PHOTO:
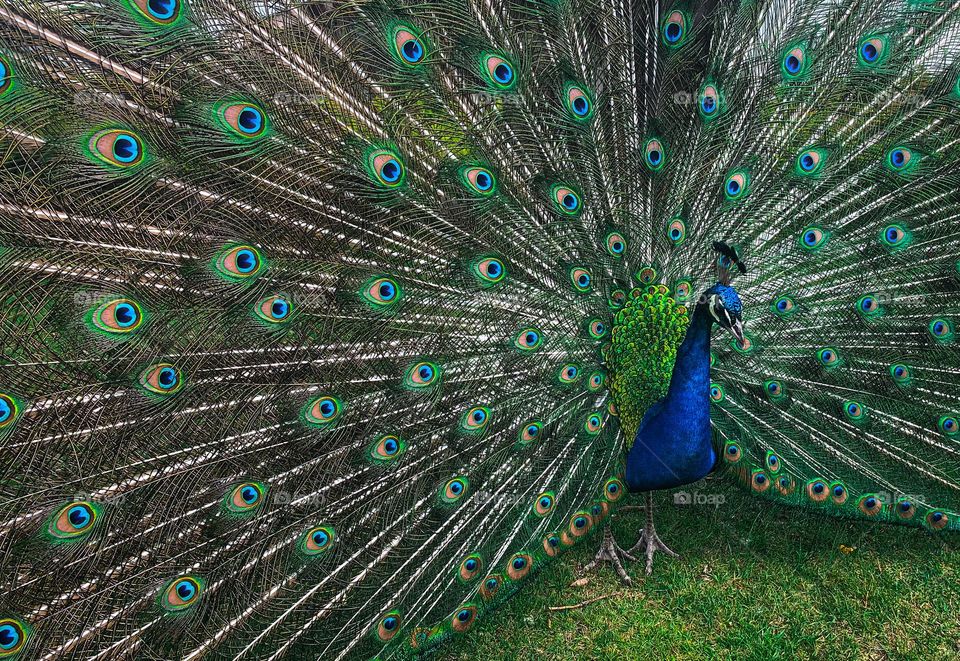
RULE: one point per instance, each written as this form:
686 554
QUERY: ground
755 581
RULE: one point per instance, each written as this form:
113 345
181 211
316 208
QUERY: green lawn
754 581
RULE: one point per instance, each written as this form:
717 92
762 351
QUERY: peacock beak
736 329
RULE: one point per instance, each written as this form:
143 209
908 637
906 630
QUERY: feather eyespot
245 497
654 154
596 381
717 393
811 162
566 200
894 236
579 103
681 291
785 485
519 566
872 50
676 231
774 389
941 329
795 62
476 419
246 120
471 567
593 424
900 159
499 72
773 462
544 504
117 316
870 504
551 544
817 490
597 329
869 306
529 339
119 148
73 521
386 167
6 75
181 593
732 453
387 448
422 375
479 180
490 587
490 270
737 185
161 379
949 425
568 374
828 357
904 509
616 245
389 626
613 490
901 374
9 409
617 299
838 493
13 637
581 279
759 481
937 520
709 103
381 292
854 411
162 12
674 29
317 540
783 306
408 46
322 411
239 262
813 238
464 618
274 309
530 432
453 490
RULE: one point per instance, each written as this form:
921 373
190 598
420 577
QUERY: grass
754 581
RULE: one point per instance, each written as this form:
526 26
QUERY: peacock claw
650 541
610 551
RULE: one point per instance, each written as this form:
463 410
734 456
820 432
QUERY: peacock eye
13 637
499 72
828 357
811 161
817 490
245 497
736 185
8 410
389 626
676 231
893 236
491 270
598 329
6 75
181 593
409 47
274 309
317 540
581 279
530 432
489 588
899 158
519 566
617 298
682 290
709 104
941 329
73 521
593 424
479 180
616 244
813 238
422 375
453 490
529 339
544 504
870 505
122 149
854 411
476 419
161 379
838 493
118 316
613 490
323 410
871 50
783 306
674 29
245 119
387 168
568 373
381 292
596 381
163 12
653 154
579 103
937 520
239 262
566 200
949 425
471 567
732 453
774 389
463 619
387 448
717 394
901 374
794 62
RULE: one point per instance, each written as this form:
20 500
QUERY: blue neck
673 445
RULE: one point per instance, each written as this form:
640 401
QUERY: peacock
327 324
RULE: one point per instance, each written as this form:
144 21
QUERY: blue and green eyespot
499 71
868 306
422 374
475 420
813 238
873 50
118 148
784 306
654 154
895 236
158 12
854 411
676 231
73 521
795 62
566 200
386 449
14 635
530 432
385 167
9 410
902 160
161 379
581 279
388 626
811 161
239 262
941 329
901 374
568 374
273 309
675 28
116 316
829 358
381 292
478 180
245 497
454 489
528 339
578 101
615 244
709 102
409 46
316 541
490 270
949 425
737 185
775 390
182 593
544 503
322 411
7 77
244 120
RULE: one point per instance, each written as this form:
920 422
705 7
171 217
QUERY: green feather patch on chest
646 335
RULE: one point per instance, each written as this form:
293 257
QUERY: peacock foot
650 543
610 551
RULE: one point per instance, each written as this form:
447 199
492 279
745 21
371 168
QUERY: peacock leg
611 552
649 540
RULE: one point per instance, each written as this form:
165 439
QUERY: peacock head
724 305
